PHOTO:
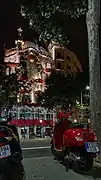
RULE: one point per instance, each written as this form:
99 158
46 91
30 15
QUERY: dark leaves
45 17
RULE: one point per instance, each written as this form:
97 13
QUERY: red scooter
78 142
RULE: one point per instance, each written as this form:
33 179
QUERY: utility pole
86 88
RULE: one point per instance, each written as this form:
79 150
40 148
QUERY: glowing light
40 120
87 87
75 120
77 102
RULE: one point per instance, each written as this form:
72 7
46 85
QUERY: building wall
32 112
64 59
38 65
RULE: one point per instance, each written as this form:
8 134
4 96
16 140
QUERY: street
39 164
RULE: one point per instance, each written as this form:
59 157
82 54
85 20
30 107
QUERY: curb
36 139
39 139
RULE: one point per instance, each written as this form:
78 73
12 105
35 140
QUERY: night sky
10 20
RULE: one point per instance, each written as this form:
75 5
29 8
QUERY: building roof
13 52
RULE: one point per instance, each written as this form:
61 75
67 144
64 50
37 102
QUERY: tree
48 17
10 87
93 26
61 91
56 93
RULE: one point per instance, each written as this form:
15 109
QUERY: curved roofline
8 52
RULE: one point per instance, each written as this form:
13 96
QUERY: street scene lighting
40 120
87 87
50 89
77 102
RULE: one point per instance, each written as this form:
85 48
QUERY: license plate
5 151
92 147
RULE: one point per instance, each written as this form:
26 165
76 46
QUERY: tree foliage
10 87
60 92
47 16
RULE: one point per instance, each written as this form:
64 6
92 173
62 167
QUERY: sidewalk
98 159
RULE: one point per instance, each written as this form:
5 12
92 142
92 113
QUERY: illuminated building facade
34 64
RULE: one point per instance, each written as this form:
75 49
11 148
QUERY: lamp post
40 127
86 88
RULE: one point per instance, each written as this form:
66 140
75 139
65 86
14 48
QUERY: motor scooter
10 150
79 144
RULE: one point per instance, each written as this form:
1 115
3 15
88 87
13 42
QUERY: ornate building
34 64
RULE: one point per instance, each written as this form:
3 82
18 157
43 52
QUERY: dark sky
10 20
77 32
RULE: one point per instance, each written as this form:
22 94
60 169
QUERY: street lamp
40 127
87 88
77 102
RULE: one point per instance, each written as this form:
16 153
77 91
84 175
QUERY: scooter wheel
83 166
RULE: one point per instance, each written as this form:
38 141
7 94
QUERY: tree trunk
93 27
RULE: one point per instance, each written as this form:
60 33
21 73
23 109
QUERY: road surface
35 143
39 164
36 148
